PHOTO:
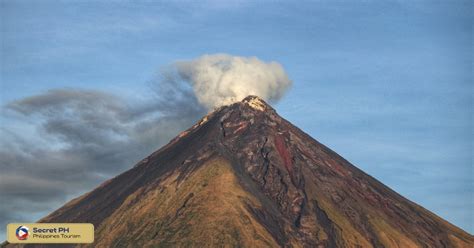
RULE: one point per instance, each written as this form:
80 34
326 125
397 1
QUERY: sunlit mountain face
245 177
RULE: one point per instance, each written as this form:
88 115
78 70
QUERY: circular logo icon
22 233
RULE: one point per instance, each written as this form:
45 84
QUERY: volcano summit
245 177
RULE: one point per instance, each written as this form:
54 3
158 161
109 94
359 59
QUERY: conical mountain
245 177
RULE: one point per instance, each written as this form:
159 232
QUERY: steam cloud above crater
221 79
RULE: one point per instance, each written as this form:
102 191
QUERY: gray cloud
86 137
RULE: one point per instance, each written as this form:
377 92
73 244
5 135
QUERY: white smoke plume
221 79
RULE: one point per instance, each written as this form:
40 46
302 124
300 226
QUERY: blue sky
386 84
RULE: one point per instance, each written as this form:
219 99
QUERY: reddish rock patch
284 153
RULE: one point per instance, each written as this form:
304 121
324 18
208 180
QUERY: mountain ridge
281 188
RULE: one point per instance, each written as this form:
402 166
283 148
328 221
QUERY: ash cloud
222 79
61 143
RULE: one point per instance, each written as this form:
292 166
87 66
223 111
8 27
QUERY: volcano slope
245 177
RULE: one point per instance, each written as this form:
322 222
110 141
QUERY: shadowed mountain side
245 177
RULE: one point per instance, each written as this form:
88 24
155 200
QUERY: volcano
245 177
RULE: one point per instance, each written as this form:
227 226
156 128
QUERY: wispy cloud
99 135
